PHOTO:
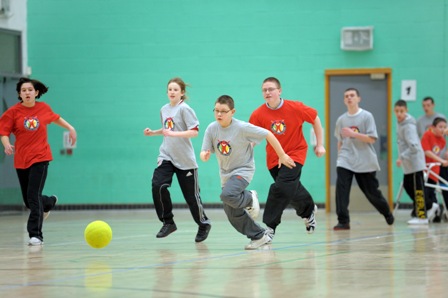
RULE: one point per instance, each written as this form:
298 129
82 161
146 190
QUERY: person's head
176 90
351 98
272 90
224 110
401 110
428 105
29 89
439 126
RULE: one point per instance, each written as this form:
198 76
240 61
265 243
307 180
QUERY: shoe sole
206 235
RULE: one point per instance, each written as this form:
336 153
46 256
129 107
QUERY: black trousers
369 186
286 189
32 182
414 182
188 182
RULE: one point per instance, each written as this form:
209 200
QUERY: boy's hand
205 155
398 162
287 161
9 149
319 150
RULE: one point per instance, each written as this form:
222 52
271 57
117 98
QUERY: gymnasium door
374 89
10 195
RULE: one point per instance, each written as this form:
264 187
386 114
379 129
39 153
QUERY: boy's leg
235 198
419 195
188 181
370 187
285 190
343 186
161 180
408 185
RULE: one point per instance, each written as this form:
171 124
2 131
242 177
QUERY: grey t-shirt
178 150
356 155
409 146
424 122
233 147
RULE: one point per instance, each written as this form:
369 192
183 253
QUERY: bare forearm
272 140
61 122
318 131
182 134
5 141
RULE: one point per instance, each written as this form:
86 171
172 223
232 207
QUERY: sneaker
47 213
418 221
310 222
202 233
431 213
34 241
256 243
390 219
166 230
271 233
253 210
341 226
439 215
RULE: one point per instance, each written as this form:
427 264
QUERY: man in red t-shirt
284 118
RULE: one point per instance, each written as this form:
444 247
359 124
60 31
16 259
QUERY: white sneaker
255 244
35 241
431 213
253 210
310 222
271 233
418 221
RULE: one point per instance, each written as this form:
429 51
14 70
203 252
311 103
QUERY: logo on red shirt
169 123
278 127
31 123
224 148
436 149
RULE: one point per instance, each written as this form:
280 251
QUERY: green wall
107 63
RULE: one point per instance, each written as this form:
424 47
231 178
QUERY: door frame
353 72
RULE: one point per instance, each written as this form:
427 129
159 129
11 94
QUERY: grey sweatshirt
409 147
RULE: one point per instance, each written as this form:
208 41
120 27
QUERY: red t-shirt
286 125
29 125
435 144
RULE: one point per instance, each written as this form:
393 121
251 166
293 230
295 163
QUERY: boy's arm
191 133
347 132
319 150
283 158
148 132
431 154
412 141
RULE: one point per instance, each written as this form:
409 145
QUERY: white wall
18 22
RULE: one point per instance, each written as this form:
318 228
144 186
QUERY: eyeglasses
220 112
264 90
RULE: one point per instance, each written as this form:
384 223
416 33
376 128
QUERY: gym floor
370 260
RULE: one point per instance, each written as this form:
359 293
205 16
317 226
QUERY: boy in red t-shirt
28 121
433 143
284 118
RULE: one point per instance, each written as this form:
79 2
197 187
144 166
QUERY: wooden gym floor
370 260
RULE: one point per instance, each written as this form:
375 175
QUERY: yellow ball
98 234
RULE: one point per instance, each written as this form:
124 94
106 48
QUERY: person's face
28 93
439 128
351 99
428 107
223 114
400 113
271 93
174 92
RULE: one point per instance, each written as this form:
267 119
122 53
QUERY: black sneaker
54 199
390 219
166 230
341 226
202 233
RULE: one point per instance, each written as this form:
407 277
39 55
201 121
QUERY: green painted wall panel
107 64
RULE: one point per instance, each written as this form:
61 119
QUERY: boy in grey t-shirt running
356 133
232 140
